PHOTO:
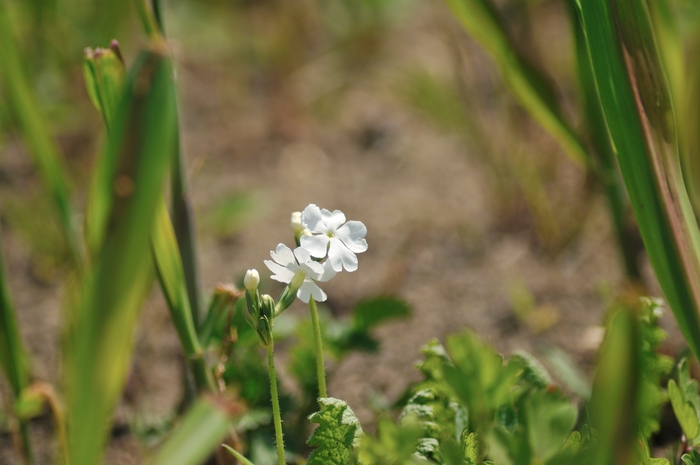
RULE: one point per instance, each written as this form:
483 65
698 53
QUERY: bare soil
439 234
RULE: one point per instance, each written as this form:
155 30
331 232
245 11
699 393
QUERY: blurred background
385 109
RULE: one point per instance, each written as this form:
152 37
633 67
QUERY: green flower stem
320 365
279 439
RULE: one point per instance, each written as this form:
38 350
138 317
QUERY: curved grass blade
200 433
98 350
530 86
605 166
183 219
13 357
639 116
172 280
35 130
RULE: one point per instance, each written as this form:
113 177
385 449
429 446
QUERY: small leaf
394 445
370 313
691 458
685 412
337 434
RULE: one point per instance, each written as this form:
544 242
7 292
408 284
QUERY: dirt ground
437 233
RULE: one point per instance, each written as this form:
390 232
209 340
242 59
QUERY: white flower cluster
328 245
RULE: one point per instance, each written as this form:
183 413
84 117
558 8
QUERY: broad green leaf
534 373
202 429
35 130
614 402
638 112
479 378
435 413
394 445
691 458
549 419
370 313
685 401
529 85
106 305
172 280
337 434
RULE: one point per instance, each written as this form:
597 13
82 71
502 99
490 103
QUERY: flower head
332 236
298 269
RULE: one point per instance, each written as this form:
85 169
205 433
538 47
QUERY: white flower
333 236
251 280
298 269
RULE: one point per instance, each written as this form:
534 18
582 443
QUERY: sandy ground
437 237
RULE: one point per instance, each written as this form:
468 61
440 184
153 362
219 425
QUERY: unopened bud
296 223
265 320
251 280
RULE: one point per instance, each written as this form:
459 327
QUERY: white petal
283 255
317 246
333 220
341 257
352 234
280 273
311 218
310 289
328 272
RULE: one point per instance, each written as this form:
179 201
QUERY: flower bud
251 280
296 223
264 323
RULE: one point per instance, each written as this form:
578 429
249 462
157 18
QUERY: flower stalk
318 348
279 438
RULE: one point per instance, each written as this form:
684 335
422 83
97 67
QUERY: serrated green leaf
684 402
534 373
337 434
394 445
655 367
691 458
478 378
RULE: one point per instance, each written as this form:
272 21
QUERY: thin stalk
318 347
237 455
279 438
